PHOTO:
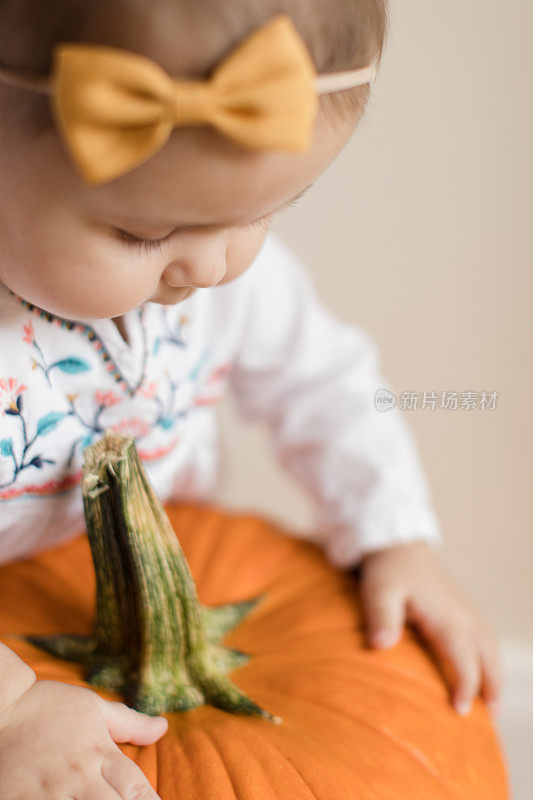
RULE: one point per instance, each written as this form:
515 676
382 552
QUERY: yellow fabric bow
115 108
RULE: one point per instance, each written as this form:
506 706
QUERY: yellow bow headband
116 108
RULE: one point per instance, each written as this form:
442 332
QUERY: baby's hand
406 582
57 740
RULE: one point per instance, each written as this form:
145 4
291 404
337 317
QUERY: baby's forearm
15 676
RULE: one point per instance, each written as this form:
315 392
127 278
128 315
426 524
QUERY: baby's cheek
109 293
85 286
243 247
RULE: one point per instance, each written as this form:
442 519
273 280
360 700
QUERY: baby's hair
339 34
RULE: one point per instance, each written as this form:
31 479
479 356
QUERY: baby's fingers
125 778
457 648
384 609
465 661
125 724
492 671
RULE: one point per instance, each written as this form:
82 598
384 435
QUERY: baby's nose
195 273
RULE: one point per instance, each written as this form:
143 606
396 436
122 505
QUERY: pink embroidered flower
10 389
132 427
106 399
29 335
219 372
148 389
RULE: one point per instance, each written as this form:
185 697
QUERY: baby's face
200 207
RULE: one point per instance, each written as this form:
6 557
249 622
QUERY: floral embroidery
149 389
50 487
29 335
132 427
167 401
68 482
169 336
214 386
195 371
70 365
106 399
167 414
219 372
10 391
45 425
102 400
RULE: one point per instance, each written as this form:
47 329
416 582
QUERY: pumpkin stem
153 640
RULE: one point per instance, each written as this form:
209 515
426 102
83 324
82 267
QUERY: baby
139 280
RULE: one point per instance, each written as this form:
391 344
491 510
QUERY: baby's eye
152 244
135 241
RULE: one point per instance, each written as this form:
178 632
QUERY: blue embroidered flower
11 402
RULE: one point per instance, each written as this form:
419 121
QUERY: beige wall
420 232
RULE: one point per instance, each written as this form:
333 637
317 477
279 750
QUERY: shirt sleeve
312 379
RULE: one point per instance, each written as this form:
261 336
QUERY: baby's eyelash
262 222
134 241
152 244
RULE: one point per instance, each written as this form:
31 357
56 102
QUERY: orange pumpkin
358 724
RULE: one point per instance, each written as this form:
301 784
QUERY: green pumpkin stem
153 640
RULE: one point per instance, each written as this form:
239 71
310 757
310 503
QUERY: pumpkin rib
308 744
312 795
417 756
434 691
422 709
383 692
273 618
291 764
305 745
210 558
412 681
207 736
378 657
220 744
168 756
226 536
378 732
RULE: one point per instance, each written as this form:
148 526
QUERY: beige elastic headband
115 108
